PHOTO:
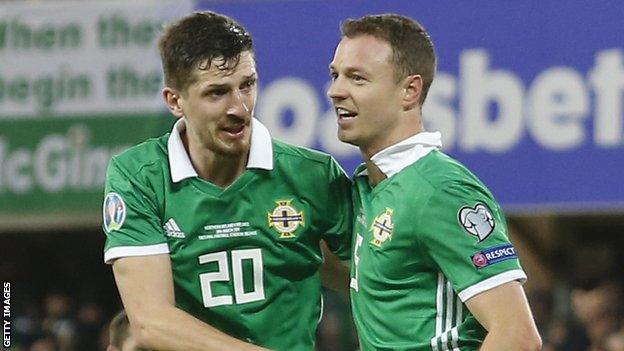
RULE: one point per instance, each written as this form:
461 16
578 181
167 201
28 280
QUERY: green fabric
405 285
261 285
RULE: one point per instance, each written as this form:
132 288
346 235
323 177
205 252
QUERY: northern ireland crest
285 219
382 228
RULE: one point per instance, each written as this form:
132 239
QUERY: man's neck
375 175
219 169
408 127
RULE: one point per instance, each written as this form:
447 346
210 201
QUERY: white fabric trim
449 306
454 338
395 158
439 309
261 148
127 251
439 304
446 332
492 282
444 341
458 313
260 152
179 161
321 314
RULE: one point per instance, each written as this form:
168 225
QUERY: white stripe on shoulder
492 282
126 251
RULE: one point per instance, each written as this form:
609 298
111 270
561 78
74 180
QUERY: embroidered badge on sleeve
114 212
493 255
477 220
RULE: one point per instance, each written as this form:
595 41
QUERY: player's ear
412 90
172 99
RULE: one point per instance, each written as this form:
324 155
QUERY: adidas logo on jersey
172 229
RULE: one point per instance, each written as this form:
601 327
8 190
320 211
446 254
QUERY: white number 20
223 274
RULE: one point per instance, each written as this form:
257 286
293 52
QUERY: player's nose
239 105
336 90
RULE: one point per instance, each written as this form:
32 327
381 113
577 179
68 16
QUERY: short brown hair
195 41
412 48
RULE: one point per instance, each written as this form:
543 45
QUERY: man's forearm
169 328
146 287
334 272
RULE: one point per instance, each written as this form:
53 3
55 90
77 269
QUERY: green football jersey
245 258
427 239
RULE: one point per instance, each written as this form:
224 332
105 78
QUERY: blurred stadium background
529 95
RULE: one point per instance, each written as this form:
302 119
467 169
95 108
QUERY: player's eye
248 84
333 75
217 92
357 78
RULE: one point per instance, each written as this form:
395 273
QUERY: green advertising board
79 83
52 171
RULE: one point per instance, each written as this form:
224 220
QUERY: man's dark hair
412 48
195 41
119 329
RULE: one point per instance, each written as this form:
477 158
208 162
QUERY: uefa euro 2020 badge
382 228
285 219
113 211
477 220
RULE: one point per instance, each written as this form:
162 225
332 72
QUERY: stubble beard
233 149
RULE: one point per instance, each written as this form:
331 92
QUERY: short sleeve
130 217
464 231
339 212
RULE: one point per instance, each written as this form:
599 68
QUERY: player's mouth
235 131
345 116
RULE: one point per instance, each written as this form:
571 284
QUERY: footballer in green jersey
427 238
245 258
216 232
432 267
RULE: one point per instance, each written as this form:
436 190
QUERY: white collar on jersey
260 152
395 158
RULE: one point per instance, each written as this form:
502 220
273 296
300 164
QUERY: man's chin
346 138
237 149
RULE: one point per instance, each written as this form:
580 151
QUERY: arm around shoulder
505 313
145 284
